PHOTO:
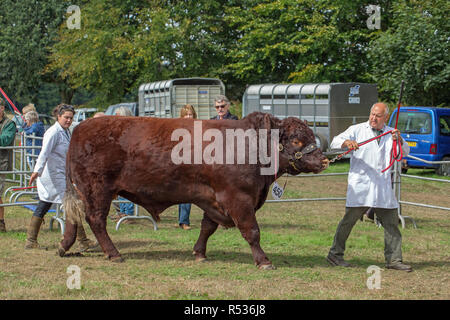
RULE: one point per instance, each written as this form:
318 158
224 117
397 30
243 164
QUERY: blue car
427 131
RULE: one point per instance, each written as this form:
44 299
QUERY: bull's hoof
117 259
61 252
267 267
199 257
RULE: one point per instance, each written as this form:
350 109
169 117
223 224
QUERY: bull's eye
296 143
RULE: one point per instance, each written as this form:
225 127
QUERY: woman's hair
32 116
29 107
61 108
188 108
123 111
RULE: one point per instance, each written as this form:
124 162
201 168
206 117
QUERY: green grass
295 236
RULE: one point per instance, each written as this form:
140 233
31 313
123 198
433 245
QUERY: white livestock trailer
164 99
329 108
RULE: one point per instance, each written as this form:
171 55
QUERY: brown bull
139 158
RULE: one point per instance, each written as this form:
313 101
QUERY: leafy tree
27 28
131 43
302 41
415 49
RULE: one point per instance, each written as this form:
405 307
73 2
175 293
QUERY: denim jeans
127 208
42 208
184 210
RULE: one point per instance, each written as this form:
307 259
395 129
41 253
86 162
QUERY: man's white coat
367 185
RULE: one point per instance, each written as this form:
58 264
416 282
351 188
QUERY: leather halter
299 154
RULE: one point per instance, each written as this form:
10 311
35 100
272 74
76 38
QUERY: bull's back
141 148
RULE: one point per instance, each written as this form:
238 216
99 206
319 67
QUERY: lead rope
396 151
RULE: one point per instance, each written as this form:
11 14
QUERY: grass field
295 236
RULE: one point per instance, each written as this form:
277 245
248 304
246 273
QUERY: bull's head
298 148
297 145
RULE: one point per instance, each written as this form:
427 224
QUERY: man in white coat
368 187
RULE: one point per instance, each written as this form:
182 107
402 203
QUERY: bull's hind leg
96 218
70 234
207 229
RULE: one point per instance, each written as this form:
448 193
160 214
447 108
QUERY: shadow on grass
289 260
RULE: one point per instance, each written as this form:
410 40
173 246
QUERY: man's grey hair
32 116
386 109
220 98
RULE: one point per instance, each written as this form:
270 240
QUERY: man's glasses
221 106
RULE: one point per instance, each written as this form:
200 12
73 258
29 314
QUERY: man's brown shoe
337 262
185 227
399 266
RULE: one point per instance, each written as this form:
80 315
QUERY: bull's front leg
249 228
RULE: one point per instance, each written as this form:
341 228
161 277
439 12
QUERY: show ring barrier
396 186
20 176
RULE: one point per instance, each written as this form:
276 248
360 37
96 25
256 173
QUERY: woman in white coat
50 172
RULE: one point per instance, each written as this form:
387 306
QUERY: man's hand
350 144
33 177
396 135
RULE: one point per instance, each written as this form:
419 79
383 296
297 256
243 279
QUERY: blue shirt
38 130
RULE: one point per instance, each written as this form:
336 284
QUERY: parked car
111 110
427 132
82 114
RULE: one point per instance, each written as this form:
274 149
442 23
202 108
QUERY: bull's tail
73 205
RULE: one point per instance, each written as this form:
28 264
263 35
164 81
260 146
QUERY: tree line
100 52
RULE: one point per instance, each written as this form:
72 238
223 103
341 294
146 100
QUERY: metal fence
22 170
397 181
22 165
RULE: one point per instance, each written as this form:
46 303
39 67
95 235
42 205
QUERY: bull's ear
306 122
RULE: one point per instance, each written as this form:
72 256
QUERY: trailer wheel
444 168
321 142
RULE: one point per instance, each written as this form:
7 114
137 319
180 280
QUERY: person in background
29 107
222 105
7 136
123 111
369 187
36 128
184 209
50 173
98 114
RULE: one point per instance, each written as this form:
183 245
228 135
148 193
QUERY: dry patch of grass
295 236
